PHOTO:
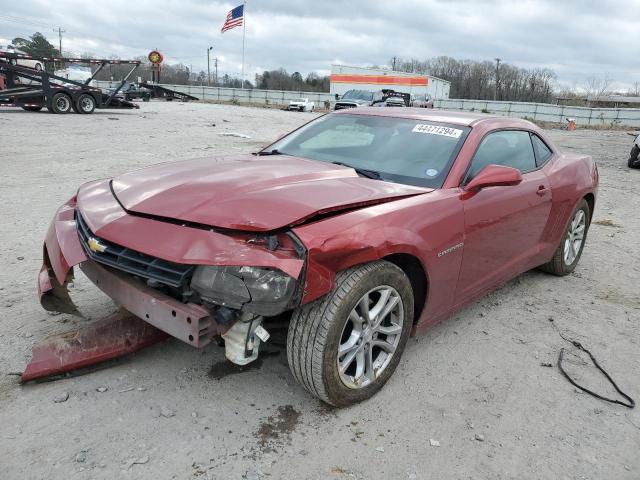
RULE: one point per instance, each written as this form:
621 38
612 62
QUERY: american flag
234 19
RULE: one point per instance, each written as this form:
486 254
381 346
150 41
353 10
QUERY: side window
511 148
543 153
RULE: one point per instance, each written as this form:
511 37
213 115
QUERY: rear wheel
344 347
566 257
634 157
61 103
85 104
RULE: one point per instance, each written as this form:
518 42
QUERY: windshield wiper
270 152
361 171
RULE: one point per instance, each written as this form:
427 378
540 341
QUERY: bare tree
598 86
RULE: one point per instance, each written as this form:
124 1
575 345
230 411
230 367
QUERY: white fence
267 97
628 117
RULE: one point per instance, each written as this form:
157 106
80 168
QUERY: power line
24 21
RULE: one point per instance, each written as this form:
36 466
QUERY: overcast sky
575 38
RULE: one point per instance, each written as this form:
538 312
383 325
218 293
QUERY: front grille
131 261
340 106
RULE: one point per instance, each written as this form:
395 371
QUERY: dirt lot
475 383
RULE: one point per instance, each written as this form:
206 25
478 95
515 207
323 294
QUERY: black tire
32 108
634 157
61 103
146 98
85 104
316 330
557 265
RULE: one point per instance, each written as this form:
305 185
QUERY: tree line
484 80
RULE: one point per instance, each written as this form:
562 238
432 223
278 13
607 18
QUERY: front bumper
189 322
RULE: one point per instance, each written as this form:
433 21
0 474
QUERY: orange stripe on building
379 79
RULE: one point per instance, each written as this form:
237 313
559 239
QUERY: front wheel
566 257
634 157
344 347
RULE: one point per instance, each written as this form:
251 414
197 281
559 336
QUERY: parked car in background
354 231
131 91
357 98
24 62
301 105
76 73
422 101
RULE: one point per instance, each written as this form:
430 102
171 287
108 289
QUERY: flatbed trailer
158 91
57 94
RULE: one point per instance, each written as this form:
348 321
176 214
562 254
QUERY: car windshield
299 100
401 150
358 95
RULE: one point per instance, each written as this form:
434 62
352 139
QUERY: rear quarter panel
571 178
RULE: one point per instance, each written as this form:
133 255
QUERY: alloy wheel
575 237
370 336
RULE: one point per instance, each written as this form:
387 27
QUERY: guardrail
627 117
246 95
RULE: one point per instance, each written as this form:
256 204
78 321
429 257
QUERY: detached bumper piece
105 339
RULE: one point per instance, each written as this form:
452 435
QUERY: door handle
542 190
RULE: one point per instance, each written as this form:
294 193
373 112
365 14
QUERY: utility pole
60 32
495 93
209 67
215 60
394 63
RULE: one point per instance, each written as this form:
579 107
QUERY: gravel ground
471 398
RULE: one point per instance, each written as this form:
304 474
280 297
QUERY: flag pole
244 29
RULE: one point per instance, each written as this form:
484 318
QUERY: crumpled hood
249 192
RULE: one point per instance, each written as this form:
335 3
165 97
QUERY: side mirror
494 176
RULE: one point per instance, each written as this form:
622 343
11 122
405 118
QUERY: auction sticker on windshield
437 130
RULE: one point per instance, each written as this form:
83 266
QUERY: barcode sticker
437 130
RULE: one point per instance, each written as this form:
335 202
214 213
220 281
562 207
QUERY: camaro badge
450 249
95 245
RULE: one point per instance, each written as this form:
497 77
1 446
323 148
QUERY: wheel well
412 267
591 201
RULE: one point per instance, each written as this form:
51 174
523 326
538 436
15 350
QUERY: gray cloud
577 39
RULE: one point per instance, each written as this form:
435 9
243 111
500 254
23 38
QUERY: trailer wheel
32 108
86 104
61 103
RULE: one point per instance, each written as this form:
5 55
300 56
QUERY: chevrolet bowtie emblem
95 245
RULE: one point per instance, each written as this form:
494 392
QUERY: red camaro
355 230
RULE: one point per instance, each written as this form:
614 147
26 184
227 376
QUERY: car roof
464 118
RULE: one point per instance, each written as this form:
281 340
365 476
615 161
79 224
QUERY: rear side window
509 148
543 153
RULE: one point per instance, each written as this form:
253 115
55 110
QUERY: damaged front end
192 282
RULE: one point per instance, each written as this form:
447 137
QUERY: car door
503 224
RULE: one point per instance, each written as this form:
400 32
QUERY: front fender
423 226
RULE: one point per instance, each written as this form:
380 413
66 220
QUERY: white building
344 78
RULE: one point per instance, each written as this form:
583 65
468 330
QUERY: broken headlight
262 291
